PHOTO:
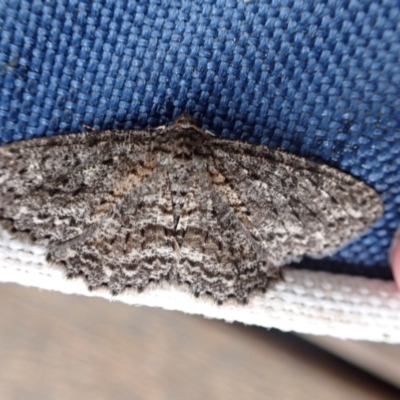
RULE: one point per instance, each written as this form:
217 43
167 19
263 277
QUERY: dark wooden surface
54 346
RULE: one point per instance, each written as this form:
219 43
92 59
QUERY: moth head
186 121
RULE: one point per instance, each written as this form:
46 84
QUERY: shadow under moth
127 208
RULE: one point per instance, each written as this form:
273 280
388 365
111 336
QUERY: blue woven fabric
317 78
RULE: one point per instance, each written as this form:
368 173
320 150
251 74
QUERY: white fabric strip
307 302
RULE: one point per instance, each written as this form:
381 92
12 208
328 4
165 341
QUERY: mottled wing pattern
293 206
218 256
124 209
130 246
55 188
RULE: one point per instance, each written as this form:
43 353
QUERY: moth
126 209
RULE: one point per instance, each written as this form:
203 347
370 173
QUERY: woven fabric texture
320 79
305 301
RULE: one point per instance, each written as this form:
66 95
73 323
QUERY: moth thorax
183 155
